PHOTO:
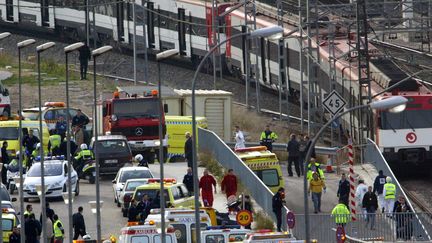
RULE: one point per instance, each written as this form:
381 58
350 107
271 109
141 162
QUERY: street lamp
98 203
159 57
270 32
68 49
39 50
4 35
393 104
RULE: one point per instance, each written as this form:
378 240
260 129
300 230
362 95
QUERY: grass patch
262 221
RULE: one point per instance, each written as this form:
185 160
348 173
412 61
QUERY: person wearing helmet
141 161
34 155
83 156
389 193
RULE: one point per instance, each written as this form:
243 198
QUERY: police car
56 176
149 233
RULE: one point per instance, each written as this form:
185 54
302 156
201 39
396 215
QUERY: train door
150 25
120 17
44 12
9 10
181 30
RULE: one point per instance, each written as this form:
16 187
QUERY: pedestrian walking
61 126
5 160
188 181
403 216
78 224
302 149
341 214
49 212
15 237
267 138
229 184
293 149
316 187
33 229
312 167
359 194
49 230
378 188
54 143
370 203
206 184
188 149
132 211
58 230
278 202
343 190
239 138
389 192
84 58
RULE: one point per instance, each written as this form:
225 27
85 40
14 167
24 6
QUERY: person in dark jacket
144 207
378 188
278 202
30 141
15 237
49 212
343 190
293 149
132 211
63 147
370 203
5 160
61 126
33 229
308 144
188 149
80 120
84 57
78 224
403 217
188 181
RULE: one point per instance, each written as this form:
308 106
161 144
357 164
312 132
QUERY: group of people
55 232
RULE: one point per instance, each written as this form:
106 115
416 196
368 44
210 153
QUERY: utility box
215 105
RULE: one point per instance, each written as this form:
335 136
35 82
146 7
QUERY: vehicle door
168 239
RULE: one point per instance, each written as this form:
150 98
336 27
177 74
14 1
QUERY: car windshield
30 114
134 108
131 185
153 195
135 174
51 169
8 133
7 224
112 146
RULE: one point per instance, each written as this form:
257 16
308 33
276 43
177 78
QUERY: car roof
133 168
157 186
136 179
110 137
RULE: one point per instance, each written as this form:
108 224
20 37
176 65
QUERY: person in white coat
239 138
360 192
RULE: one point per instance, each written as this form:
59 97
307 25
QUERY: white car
125 174
56 175
127 192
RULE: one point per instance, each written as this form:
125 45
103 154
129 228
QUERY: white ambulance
148 233
224 234
267 236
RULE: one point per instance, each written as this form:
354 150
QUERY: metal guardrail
210 142
396 227
373 155
283 147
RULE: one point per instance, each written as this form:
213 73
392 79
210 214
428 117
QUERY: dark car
113 153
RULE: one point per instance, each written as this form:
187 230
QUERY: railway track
419 191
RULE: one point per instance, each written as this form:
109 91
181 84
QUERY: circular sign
290 217
244 217
411 137
340 234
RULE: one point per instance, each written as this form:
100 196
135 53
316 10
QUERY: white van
147 233
225 234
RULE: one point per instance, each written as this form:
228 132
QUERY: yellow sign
244 217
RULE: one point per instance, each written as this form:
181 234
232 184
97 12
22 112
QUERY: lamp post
20 46
159 57
95 54
39 50
69 197
274 31
4 35
394 104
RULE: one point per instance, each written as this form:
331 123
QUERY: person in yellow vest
341 214
389 193
29 210
58 229
54 143
312 167
267 138
83 155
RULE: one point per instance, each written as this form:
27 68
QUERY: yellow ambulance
177 126
264 164
9 221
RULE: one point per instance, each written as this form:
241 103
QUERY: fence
228 159
387 228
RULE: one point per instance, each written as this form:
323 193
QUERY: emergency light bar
54 104
60 157
166 180
250 149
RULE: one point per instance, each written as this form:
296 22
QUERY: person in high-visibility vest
29 210
312 167
341 214
58 229
267 138
54 143
84 155
389 193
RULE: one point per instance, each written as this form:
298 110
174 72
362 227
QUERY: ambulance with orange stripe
267 236
264 164
148 233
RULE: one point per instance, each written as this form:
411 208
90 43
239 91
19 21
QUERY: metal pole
161 157
21 196
134 43
94 28
95 134
301 67
309 74
145 44
246 51
41 152
68 156
213 38
257 75
87 22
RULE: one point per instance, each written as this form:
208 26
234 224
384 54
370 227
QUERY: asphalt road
112 219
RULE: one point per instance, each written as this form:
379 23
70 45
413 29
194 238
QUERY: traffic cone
329 167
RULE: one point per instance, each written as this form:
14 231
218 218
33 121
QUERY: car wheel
77 189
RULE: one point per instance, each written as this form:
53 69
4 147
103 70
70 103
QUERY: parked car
127 192
125 174
56 175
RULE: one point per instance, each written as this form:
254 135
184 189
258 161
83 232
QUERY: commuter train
186 25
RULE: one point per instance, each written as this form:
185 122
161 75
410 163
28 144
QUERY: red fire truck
135 115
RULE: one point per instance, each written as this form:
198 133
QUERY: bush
262 221
207 161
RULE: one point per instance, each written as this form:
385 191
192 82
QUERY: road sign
334 102
411 137
340 234
244 217
290 217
